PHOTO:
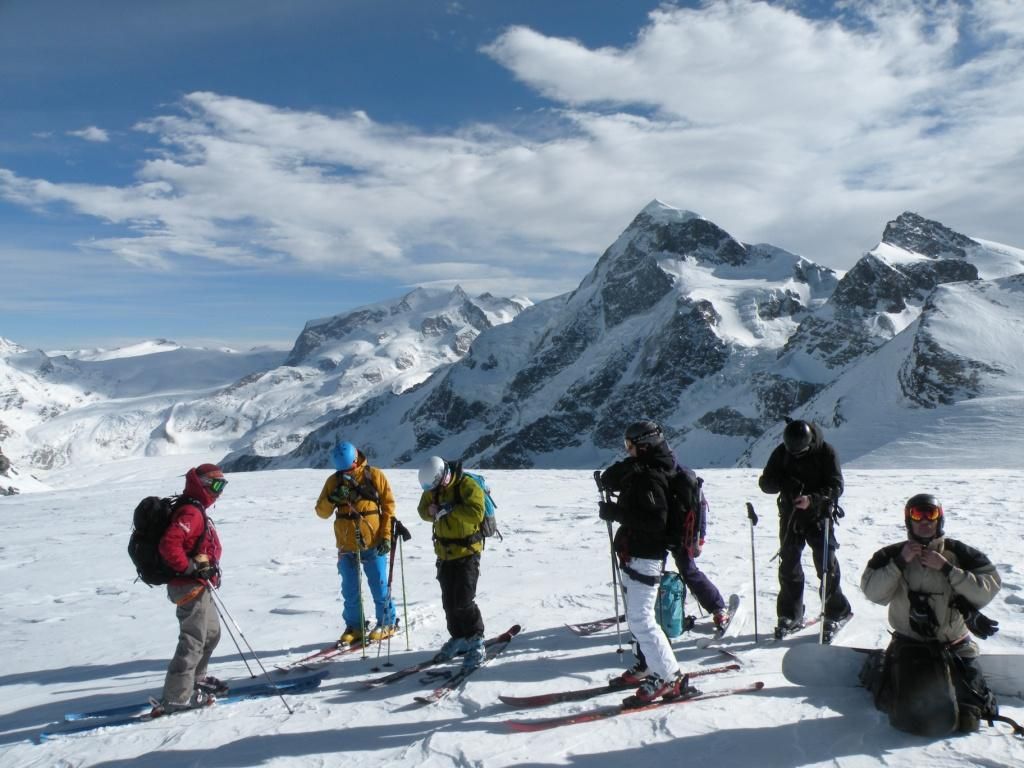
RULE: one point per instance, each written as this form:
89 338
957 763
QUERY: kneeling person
934 586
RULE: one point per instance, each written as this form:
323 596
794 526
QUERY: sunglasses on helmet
917 514
215 484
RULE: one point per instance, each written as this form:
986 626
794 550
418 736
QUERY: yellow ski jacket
360 500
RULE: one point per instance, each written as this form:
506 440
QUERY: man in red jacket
191 548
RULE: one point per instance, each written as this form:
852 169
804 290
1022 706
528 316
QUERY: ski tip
524 726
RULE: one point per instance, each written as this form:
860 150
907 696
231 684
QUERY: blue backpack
489 525
668 610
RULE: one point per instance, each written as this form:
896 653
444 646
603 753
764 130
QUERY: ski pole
218 603
615 566
825 558
387 600
359 582
752 517
405 604
241 653
397 529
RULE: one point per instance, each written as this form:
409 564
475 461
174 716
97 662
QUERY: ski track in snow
78 634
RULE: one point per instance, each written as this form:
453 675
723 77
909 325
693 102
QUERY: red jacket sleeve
180 537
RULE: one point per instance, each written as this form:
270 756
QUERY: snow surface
78 633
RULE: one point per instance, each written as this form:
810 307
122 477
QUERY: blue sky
221 172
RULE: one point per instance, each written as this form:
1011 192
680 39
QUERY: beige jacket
888 580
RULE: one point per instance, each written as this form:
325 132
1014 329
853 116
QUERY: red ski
544 699
530 726
322 656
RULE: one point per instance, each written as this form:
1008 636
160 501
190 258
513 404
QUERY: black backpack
149 521
682 528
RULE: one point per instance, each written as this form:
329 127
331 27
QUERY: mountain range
86 406
914 350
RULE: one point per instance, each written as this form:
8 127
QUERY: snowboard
839 666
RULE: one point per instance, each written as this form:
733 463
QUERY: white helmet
433 473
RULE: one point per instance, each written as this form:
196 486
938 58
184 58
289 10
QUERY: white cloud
91 133
810 134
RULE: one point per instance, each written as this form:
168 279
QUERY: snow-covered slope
157 397
717 340
77 633
674 308
947 387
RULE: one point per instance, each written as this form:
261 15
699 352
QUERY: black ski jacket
816 474
642 485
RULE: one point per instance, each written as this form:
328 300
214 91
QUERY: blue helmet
344 456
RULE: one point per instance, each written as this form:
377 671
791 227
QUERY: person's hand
437 511
384 547
698 548
608 510
801 502
201 568
981 625
910 550
931 559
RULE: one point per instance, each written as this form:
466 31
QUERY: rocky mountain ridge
680 322
157 397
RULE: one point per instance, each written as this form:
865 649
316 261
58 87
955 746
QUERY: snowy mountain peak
929 238
660 228
663 213
677 321
8 347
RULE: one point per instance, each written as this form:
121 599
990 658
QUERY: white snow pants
640 600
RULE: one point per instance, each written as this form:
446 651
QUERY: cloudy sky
224 171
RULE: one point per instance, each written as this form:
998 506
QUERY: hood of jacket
195 489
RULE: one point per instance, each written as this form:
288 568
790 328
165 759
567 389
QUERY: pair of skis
582 694
494 646
140 712
828 637
603 713
325 654
587 628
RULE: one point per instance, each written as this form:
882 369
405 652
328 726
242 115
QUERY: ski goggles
917 514
215 484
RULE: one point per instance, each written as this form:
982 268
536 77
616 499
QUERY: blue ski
255 686
94 723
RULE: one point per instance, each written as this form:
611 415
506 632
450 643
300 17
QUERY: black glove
201 570
978 623
402 531
384 547
981 625
608 510
791 488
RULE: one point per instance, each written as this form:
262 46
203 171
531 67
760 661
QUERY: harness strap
634 574
354 515
466 541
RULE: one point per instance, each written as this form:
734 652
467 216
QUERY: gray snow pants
198 635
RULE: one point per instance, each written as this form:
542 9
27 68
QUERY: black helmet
797 437
924 506
644 433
